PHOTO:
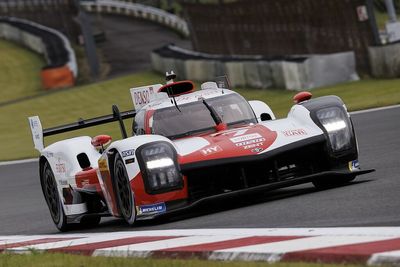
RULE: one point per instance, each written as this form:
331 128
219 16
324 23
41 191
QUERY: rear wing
38 133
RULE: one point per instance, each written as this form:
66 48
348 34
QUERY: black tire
123 191
52 197
331 182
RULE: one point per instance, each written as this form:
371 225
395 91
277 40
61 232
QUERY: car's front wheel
123 191
51 195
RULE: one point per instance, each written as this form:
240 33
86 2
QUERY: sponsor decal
211 150
294 132
153 208
246 137
128 153
48 154
241 132
60 168
85 182
143 97
103 166
129 161
250 142
257 150
354 165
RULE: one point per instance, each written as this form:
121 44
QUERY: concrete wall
296 73
385 61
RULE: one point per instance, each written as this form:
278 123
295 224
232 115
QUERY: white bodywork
62 155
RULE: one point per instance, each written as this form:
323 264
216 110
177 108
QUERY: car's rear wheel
123 191
51 195
330 182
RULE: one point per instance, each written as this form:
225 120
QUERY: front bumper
175 208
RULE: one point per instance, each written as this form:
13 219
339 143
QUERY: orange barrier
59 77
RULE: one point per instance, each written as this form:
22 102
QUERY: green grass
19 72
55 260
96 99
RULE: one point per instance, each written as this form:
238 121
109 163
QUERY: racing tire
331 182
52 197
123 191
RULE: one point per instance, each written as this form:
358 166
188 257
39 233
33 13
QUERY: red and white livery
189 146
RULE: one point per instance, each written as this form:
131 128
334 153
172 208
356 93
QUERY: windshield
195 118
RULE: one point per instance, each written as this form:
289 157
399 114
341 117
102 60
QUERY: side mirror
301 97
100 141
262 111
265 117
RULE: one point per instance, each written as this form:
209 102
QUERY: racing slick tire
331 182
123 191
52 197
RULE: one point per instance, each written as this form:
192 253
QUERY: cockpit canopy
194 118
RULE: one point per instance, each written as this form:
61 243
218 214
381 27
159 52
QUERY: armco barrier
291 72
138 11
61 69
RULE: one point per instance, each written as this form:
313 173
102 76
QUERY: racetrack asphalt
129 42
372 200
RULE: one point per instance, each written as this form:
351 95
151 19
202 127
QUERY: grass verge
19 72
96 99
54 260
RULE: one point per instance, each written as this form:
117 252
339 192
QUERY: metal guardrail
71 62
139 11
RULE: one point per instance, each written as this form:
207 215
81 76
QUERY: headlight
338 127
159 167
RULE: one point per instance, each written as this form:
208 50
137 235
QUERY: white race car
189 146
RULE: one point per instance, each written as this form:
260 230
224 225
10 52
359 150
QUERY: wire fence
57 14
284 27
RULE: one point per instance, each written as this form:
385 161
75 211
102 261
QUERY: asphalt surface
129 42
372 200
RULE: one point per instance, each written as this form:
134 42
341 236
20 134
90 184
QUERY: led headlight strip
160 170
337 125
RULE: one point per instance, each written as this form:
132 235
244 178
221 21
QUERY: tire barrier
290 72
61 70
138 11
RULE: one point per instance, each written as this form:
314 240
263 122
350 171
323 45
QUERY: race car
189 146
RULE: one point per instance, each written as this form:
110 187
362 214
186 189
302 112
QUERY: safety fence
284 27
138 11
290 72
61 69
56 14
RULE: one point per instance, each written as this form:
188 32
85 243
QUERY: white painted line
331 231
373 109
392 232
5 163
385 258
